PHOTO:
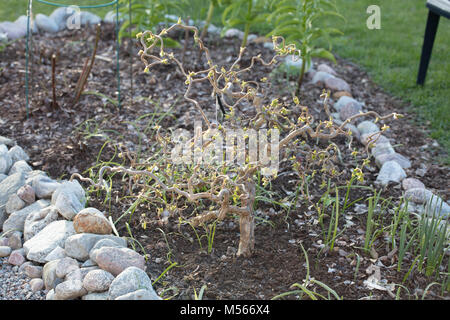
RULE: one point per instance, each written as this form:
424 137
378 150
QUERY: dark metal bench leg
430 34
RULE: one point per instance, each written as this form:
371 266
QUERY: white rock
65 266
56 254
17 153
296 62
321 76
20 166
43 186
232 33
49 275
382 148
3 177
46 24
391 171
326 68
96 296
140 294
401 160
53 235
50 295
88 18
15 240
79 274
344 100
70 289
5 251
12 30
14 204
16 220
69 199
106 243
9 186
36 284
5 163
97 281
7 141
129 280
22 21
38 220
79 245
60 16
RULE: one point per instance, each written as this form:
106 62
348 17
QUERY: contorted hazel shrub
211 188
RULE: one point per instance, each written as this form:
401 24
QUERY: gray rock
401 160
382 148
65 266
53 235
88 18
20 166
349 110
8 187
366 127
15 240
3 177
12 30
22 21
5 163
129 280
7 141
49 275
373 139
88 263
326 68
16 220
69 199
38 220
97 281
43 186
321 76
410 183
36 284
115 260
344 100
17 153
234 33
79 245
96 296
418 195
46 24
50 295
5 251
60 16
14 203
391 171
141 294
56 254
337 84
70 289
106 243
33 271
79 274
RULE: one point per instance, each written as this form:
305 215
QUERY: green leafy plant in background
145 14
244 12
295 20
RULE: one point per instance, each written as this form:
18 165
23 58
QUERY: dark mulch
71 138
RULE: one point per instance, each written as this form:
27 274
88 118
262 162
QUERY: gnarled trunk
247 223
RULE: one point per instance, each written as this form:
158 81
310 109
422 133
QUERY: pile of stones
66 250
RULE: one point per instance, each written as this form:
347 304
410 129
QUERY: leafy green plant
244 12
295 20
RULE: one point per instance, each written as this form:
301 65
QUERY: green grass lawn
391 56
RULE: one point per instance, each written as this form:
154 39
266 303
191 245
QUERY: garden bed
77 138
